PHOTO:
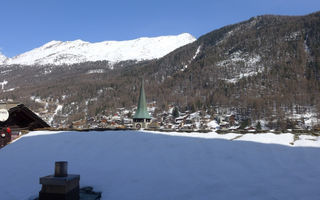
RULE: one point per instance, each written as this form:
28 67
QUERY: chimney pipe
61 169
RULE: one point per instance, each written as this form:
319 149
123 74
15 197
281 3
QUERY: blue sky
27 24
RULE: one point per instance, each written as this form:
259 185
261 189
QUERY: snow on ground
292 36
268 138
59 108
143 165
306 47
3 83
212 135
213 124
240 76
96 71
5 71
252 66
307 140
194 57
197 53
310 117
9 90
2 58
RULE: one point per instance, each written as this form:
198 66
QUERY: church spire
141 112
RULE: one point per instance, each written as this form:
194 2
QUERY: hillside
143 165
264 63
264 68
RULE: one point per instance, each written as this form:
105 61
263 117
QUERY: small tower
141 118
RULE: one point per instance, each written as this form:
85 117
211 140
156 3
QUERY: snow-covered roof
144 165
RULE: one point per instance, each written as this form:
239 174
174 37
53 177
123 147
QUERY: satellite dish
4 115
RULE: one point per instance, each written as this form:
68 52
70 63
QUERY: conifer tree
175 112
258 127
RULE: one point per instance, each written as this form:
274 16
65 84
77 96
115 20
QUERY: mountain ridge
78 51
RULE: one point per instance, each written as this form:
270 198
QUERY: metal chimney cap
61 169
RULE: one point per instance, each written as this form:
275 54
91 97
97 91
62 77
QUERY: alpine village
255 76
233 113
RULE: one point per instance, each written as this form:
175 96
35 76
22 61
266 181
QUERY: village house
15 119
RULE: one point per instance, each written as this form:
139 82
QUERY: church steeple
142 112
141 118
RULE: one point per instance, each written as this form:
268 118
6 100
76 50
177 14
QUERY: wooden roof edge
30 113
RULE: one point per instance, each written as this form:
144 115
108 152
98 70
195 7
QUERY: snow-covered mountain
78 51
2 58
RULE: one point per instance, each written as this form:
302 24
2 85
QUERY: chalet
15 118
21 118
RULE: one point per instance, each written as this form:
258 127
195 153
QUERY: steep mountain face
261 68
245 49
78 51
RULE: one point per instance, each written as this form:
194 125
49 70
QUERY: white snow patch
213 124
194 57
59 108
211 135
100 91
184 68
47 71
310 117
251 65
197 53
9 90
292 36
241 75
3 83
239 56
5 71
268 138
2 58
96 71
308 140
37 99
306 47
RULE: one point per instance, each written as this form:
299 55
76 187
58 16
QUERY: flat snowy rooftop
141 165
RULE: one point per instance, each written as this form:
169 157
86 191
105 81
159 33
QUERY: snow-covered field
144 165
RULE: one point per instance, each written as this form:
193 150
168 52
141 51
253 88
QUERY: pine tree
245 123
258 127
175 112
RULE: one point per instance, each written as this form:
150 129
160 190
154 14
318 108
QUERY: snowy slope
141 165
70 52
2 58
